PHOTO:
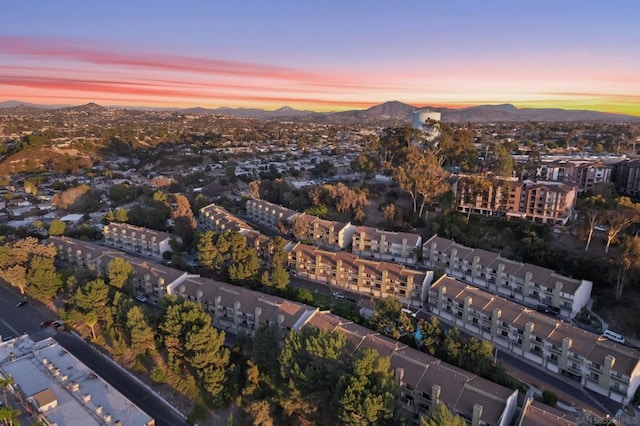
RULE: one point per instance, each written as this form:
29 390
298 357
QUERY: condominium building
136 239
626 177
598 364
536 413
327 234
148 277
241 310
544 202
401 247
522 282
583 173
57 389
218 219
268 214
426 381
349 272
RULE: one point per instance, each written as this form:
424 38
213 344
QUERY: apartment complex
544 202
136 239
584 174
536 413
403 247
522 282
148 277
598 364
218 219
626 177
327 234
269 214
58 389
426 381
349 272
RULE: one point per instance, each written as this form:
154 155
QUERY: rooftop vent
45 361
99 409
75 387
107 418
86 397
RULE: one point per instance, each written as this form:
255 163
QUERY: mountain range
392 111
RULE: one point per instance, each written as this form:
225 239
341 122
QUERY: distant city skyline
323 56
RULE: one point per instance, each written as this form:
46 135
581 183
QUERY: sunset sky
323 55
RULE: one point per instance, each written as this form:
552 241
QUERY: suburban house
136 239
403 247
522 282
426 381
347 271
608 368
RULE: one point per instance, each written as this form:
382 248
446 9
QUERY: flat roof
45 369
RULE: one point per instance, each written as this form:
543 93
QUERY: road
16 321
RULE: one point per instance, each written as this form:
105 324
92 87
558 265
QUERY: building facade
136 239
327 234
598 364
218 219
268 214
403 247
522 282
346 271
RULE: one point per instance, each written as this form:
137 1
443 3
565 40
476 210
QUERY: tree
279 278
502 161
442 416
16 275
432 334
92 300
386 315
208 254
57 227
369 393
42 278
623 213
121 215
9 415
141 335
120 273
627 264
591 210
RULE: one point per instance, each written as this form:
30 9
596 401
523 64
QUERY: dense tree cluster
29 266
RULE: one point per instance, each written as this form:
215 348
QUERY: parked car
600 228
46 323
338 295
21 303
140 298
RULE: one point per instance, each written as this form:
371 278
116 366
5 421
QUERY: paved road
132 389
16 321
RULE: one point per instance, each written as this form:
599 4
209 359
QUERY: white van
613 336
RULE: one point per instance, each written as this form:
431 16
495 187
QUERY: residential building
522 282
583 173
239 309
347 271
536 413
136 239
58 389
148 277
598 364
426 381
544 202
218 219
327 234
626 177
268 214
403 247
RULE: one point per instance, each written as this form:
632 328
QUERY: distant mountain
388 113
13 104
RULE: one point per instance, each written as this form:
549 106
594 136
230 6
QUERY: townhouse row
598 364
525 283
425 381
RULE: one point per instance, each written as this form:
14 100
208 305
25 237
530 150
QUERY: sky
325 55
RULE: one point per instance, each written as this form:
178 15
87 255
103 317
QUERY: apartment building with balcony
268 214
347 271
598 364
239 309
148 277
544 202
136 239
220 220
403 247
327 234
583 173
426 381
522 282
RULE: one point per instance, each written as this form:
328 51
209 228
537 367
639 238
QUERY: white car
600 228
338 295
141 298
